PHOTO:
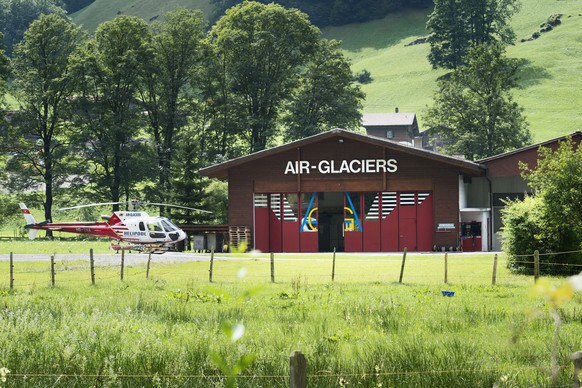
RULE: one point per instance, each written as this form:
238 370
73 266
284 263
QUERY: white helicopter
142 231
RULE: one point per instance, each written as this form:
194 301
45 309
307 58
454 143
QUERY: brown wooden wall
414 173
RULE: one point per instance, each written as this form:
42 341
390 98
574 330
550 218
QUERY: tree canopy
17 15
263 48
135 109
474 111
106 108
456 26
178 49
43 83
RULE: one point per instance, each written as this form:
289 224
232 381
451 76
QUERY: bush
527 228
363 77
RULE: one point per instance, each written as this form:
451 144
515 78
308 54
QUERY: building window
390 133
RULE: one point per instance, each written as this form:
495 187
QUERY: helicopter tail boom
29 221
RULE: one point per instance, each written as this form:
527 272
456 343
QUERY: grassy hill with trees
550 80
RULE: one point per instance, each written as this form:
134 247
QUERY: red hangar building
350 192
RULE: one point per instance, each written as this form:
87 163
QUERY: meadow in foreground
364 328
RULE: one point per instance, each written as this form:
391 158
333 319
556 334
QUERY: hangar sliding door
389 223
371 222
308 227
407 221
261 223
415 221
425 221
353 231
275 224
290 236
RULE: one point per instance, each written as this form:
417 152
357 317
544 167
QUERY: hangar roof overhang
220 171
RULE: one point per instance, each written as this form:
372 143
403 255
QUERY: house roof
220 170
573 135
388 119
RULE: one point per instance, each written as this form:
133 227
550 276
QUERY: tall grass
364 328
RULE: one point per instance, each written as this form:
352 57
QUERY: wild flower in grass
377 374
343 382
242 273
556 297
3 374
234 332
156 380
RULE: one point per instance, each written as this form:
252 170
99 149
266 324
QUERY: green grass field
175 328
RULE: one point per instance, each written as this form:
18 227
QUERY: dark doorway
331 222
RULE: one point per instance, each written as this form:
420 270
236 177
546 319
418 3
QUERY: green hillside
551 92
101 10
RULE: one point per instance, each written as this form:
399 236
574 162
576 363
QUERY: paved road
114 258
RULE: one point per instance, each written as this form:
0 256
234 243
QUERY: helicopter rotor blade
135 202
91 205
176 206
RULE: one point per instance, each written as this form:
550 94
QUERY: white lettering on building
356 166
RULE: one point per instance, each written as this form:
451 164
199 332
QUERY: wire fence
420 269
296 378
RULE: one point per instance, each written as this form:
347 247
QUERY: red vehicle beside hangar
345 191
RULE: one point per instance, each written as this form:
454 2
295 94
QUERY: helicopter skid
145 248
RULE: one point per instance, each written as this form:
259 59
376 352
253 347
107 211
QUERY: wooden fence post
272 267
122 262
148 266
53 270
402 267
333 266
11 271
494 277
536 265
92 265
211 264
577 358
297 370
446 267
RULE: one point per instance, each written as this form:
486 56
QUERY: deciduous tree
109 67
474 111
458 25
17 15
177 48
263 48
327 96
43 84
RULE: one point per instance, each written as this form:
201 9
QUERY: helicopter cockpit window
168 226
155 227
142 226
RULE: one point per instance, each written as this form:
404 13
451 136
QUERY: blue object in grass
448 293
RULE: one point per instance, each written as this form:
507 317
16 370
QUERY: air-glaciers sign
355 166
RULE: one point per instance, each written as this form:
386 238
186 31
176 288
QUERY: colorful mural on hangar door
350 222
